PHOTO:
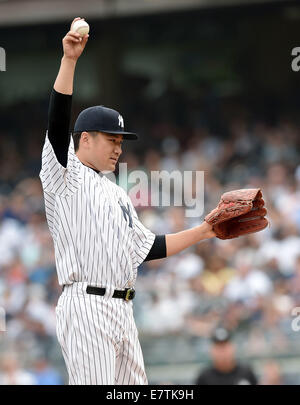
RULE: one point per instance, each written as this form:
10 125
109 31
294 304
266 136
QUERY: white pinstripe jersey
97 236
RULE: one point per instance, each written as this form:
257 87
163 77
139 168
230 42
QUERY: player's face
106 150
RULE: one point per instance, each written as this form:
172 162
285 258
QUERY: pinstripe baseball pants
99 338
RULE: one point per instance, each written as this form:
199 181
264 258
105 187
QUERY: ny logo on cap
121 121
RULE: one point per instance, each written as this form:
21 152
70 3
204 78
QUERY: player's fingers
73 37
85 39
73 34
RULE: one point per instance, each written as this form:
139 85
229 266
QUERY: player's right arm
60 105
73 46
54 176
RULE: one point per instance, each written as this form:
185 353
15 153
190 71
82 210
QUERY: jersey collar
95 170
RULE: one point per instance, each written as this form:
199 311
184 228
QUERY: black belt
127 294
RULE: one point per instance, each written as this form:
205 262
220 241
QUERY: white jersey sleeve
143 237
55 178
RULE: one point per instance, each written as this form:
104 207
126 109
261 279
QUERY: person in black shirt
225 370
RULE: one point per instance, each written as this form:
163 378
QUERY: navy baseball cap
102 119
220 335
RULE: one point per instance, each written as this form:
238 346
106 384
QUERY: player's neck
86 163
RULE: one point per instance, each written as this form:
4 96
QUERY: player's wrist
207 230
69 60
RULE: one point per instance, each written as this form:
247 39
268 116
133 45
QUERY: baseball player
98 239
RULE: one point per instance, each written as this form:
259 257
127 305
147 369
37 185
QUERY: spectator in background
225 369
45 374
11 373
271 374
248 282
294 282
216 275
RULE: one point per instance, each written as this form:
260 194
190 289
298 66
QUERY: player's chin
112 164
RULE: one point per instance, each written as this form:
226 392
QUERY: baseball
81 27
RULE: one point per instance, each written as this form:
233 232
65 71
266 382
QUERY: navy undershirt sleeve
158 250
59 116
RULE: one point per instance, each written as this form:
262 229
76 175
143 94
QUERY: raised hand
73 43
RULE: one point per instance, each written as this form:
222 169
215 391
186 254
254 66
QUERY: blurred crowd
250 285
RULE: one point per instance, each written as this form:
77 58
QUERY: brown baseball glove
239 212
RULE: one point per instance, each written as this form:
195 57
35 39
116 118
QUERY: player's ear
84 139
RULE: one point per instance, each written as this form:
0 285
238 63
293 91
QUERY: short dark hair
76 138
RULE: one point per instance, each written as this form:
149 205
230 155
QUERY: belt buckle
130 293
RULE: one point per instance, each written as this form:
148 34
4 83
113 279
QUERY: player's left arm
170 244
238 213
165 245
176 242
